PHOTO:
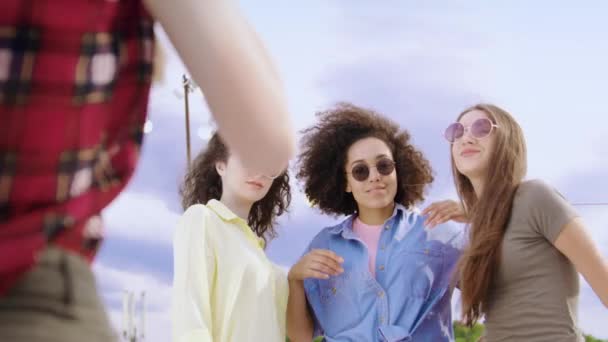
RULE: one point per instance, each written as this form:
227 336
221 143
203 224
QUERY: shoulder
194 223
536 189
534 196
321 240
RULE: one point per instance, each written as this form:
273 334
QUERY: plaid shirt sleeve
74 83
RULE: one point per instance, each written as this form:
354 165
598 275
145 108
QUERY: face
239 182
377 190
472 154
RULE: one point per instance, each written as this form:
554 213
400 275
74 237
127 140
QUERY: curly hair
324 150
202 183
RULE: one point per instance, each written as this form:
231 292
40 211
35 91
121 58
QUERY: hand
443 211
318 264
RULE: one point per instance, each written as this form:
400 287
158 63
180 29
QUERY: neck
478 185
376 216
238 206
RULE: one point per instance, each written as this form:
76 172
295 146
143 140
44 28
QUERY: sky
418 63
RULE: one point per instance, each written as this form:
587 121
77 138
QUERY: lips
256 184
376 189
469 152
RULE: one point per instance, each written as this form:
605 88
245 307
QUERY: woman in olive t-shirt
526 243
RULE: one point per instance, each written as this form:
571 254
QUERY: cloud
112 282
140 217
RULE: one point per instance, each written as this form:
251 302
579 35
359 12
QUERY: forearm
240 84
602 284
300 325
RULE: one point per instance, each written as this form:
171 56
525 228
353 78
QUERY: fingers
329 254
316 274
319 264
441 212
330 264
432 207
432 212
323 268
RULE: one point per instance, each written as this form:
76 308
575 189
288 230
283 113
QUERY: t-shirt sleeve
549 210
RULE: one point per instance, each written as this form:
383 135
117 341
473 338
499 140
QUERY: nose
374 175
467 137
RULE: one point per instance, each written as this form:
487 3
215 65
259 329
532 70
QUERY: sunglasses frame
369 168
468 128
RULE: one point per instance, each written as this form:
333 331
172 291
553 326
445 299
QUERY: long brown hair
202 183
490 213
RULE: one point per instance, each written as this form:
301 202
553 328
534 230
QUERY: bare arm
241 85
299 322
576 244
318 264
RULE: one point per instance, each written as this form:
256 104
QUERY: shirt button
380 294
381 320
334 290
381 267
387 227
383 247
426 251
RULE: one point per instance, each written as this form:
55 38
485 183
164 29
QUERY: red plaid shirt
74 84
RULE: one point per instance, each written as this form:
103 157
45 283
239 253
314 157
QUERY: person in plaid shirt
74 83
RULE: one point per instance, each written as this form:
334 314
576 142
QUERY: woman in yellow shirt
224 286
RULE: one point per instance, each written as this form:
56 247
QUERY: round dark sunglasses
480 129
360 172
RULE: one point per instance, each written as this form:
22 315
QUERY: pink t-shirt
370 235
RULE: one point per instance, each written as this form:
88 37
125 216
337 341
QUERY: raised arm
241 85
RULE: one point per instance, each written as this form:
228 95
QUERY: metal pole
187 107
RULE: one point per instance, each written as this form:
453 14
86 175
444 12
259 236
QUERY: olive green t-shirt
535 294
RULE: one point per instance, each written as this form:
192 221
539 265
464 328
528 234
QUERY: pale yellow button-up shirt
224 286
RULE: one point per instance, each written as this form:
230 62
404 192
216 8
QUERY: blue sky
418 63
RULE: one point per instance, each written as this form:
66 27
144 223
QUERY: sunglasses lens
454 132
385 167
360 172
481 128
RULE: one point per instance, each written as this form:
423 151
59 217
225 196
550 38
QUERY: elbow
272 153
284 146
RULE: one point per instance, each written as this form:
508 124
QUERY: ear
220 167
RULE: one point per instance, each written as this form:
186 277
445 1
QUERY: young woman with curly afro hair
379 275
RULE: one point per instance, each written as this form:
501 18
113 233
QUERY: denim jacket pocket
421 269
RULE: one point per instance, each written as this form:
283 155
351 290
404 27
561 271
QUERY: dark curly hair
324 150
202 183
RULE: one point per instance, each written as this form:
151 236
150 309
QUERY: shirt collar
228 215
348 223
221 210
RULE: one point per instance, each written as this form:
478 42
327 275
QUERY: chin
254 196
469 170
379 203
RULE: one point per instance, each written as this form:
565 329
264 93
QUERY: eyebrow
380 156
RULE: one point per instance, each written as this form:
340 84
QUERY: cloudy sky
419 64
